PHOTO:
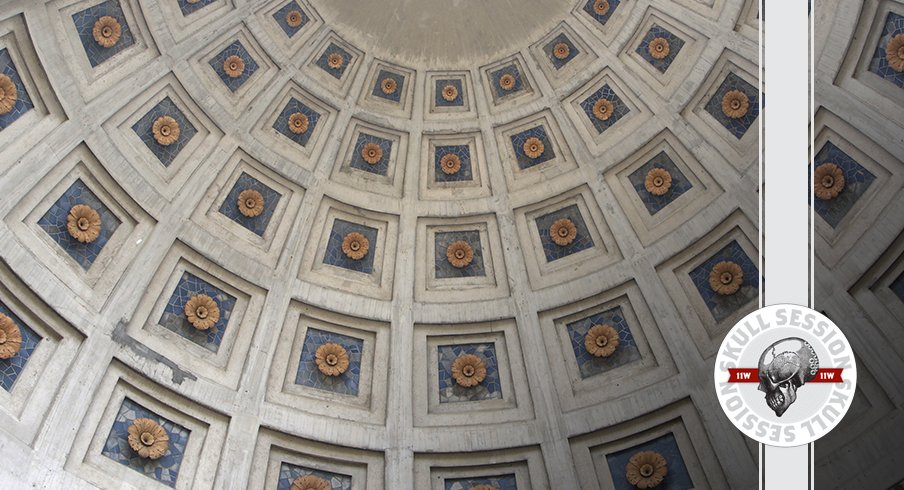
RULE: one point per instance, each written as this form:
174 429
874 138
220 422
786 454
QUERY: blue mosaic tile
500 482
897 287
84 24
173 317
550 47
723 306
11 368
234 49
165 469
280 17
335 72
654 203
379 168
498 91
450 391
737 127
230 208
524 161
675 45
602 19
677 478
619 108
54 222
458 101
400 86
23 100
309 375
446 270
189 8
289 472
465 173
894 25
582 241
335 256
857 180
166 154
625 353
282 122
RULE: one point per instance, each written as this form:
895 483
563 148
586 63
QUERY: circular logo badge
785 375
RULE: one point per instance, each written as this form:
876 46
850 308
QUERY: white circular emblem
785 375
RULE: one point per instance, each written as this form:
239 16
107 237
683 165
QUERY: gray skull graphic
784 367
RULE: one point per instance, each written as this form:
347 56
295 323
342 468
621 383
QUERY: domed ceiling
386 244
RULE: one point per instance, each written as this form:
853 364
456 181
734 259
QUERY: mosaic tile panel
335 256
309 375
654 203
23 99
619 108
438 99
500 482
54 222
677 478
524 161
857 180
582 241
282 122
335 72
400 86
590 365
289 472
173 317
723 306
897 287
498 91
602 19
465 173
165 469
230 208
191 6
550 47
737 127
234 49
444 269
452 392
280 17
84 25
166 154
382 165
894 25
11 368
675 45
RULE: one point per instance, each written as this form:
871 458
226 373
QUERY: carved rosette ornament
372 153
234 66
561 51
298 123
726 278
10 337
459 253
507 82
389 86
449 93
735 104
533 147
335 61
894 52
8 94
828 181
355 245
450 164
310 482
601 7
294 18
83 223
603 109
646 469
106 31
250 203
601 340
166 130
468 370
148 438
202 311
659 48
658 181
563 232
331 359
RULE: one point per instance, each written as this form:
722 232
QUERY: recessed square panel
234 65
532 147
16 100
604 108
188 7
892 36
659 47
659 182
251 204
103 30
729 266
13 365
563 232
451 369
291 18
341 361
458 254
351 246
174 317
165 130
857 179
735 105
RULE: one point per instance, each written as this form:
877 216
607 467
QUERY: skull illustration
784 367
